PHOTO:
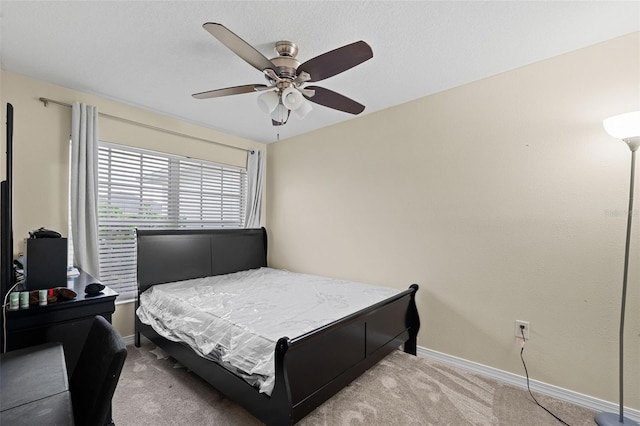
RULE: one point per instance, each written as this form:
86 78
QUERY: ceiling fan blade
239 46
336 61
334 100
236 90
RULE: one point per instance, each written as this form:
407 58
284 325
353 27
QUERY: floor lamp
625 127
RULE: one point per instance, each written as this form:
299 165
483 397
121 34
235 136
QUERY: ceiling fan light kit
268 101
286 76
280 115
302 112
292 98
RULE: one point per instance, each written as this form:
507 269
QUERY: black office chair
96 374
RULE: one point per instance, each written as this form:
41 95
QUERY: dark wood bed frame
309 369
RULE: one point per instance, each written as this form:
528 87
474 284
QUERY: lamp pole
624 281
630 123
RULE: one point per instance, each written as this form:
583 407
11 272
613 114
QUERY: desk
34 388
67 321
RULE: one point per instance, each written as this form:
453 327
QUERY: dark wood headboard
174 255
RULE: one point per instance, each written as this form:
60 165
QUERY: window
151 190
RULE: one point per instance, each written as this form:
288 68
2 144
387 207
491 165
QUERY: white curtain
253 211
84 187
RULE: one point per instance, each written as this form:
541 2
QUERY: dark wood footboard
310 368
313 367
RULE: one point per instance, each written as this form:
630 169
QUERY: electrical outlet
520 330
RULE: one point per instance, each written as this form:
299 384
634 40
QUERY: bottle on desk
14 301
24 300
42 297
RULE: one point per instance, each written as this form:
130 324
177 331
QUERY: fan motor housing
286 66
285 61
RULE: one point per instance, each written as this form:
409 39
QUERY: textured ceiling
154 55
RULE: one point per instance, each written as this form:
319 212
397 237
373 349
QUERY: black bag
44 233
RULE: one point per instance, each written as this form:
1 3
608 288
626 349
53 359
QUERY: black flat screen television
6 232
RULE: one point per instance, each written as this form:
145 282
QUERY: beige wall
41 152
502 198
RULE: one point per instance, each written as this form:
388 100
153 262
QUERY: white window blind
151 190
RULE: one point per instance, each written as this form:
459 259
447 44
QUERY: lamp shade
292 98
268 101
280 114
623 126
303 110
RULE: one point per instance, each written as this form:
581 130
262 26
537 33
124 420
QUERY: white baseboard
129 340
598 405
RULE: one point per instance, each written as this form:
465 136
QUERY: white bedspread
236 319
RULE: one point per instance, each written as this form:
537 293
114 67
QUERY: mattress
236 319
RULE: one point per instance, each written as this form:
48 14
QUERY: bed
309 368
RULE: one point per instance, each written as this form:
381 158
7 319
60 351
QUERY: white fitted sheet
236 319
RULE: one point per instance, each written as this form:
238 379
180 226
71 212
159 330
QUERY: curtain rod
46 101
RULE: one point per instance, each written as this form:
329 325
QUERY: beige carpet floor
400 390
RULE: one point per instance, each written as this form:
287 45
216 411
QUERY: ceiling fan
287 77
